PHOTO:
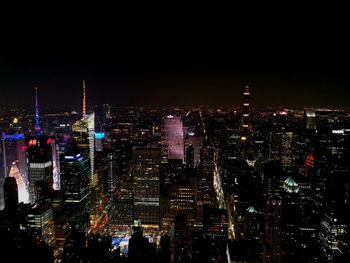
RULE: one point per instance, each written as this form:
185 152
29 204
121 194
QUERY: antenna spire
37 120
84 99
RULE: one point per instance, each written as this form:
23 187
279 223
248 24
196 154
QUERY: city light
99 135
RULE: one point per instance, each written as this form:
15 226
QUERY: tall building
286 149
111 171
173 137
205 194
49 141
182 202
12 150
2 176
273 239
99 136
10 193
291 220
84 139
310 119
215 227
23 195
37 120
75 174
331 230
39 151
190 156
84 136
181 240
146 170
62 229
246 109
40 221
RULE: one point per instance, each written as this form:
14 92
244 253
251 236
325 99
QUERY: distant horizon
78 110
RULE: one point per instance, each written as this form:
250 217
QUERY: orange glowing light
32 142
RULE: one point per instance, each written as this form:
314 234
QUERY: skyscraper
215 227
181 241
173 137
40 221
75 174
10 193
146 169
39 150
84 135
182 202
310 119
12 150
23 195
2 177
246 109
273 240
37 120
291 220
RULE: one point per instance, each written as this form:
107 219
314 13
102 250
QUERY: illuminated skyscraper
182 202
12 150
146 169
23 195
40 221
246 109
173 137
310 119
84 139
37 120
51 145
99 138
286 149
273 240
2 177
40 162
291 219
75 174
84 136
84 100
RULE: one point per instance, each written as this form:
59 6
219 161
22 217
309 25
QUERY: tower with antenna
37 120
84 100
84 134
246 108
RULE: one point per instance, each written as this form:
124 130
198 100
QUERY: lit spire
37 121
84 99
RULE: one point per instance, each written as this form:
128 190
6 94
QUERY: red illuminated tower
309 164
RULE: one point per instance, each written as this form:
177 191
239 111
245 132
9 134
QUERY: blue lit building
99 138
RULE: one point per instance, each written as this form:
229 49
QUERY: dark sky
290 55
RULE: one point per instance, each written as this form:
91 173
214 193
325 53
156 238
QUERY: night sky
289 55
